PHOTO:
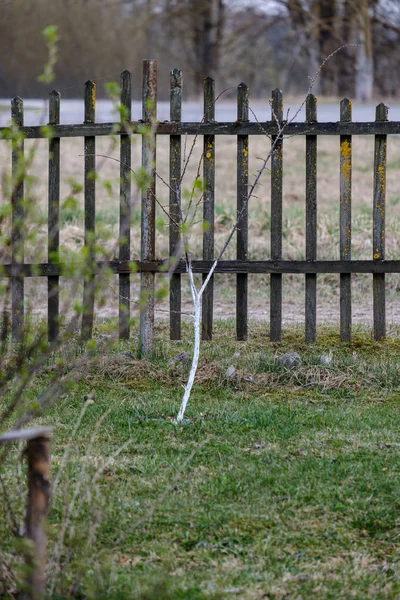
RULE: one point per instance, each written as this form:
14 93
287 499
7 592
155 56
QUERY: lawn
283 483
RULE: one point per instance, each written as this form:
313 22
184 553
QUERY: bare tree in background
364 81
327 24
265 44
200 25
327 43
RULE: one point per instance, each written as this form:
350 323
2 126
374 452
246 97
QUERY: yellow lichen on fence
382 178
345 152
94 95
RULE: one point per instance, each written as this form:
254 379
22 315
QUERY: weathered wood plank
53 293
276 219
378 235
224 266
345 222
90 210
175 160
147 249
39 487
242 209
311 222
39 492
208 207
219 128
125 208
17 223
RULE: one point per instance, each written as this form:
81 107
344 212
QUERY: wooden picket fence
147 265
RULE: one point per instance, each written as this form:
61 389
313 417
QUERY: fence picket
175 159
147 250
345 221
90 211
17 224
208 206
53 293
311 222
276 219
378 236
242 229
125 208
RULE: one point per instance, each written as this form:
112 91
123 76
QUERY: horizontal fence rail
203 266
196 128
146 262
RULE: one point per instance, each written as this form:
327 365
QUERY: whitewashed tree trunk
196 350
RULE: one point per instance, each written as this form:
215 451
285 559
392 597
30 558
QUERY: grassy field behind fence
259 217
283 484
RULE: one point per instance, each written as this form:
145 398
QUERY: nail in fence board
147 250
208 206
311 222
378 236
90 211
125 207
345 221
17 223
53 293
276 219
242 211
175 158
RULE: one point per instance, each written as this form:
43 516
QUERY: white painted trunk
196 297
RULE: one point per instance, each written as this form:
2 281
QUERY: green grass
282 484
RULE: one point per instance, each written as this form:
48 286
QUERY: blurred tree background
266 43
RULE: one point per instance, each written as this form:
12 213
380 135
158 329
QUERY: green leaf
51 34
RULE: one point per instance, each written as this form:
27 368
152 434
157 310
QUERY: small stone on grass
230 371
290 359
128 354
178 361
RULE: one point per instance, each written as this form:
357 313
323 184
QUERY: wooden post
38 454
276 220
90 212
378 235
345 222
17 224
147 250
125 209
311 222
175 175
242 236
53 293
208 207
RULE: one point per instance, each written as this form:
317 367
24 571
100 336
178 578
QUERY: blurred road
36 111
